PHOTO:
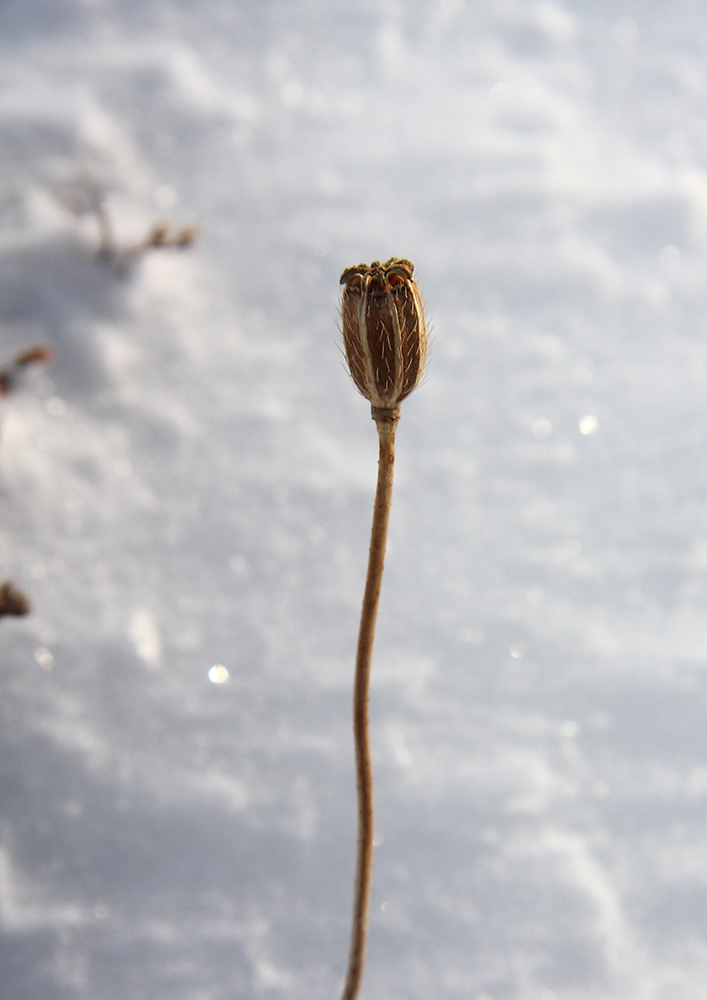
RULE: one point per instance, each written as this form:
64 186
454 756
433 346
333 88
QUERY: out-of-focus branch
10 374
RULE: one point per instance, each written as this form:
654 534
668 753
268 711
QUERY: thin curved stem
386 422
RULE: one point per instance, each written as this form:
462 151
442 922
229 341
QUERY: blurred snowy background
185 496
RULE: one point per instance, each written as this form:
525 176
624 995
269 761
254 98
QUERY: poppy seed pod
383 323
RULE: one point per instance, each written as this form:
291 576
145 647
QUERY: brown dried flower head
385 337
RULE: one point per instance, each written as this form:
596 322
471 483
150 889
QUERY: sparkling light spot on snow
218 674
44 658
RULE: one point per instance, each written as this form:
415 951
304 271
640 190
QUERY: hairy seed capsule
383 323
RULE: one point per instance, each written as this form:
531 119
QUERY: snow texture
186 490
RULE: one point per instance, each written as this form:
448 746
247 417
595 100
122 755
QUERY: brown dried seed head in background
158 235
161 235
32 355
12 600
385 336
186 235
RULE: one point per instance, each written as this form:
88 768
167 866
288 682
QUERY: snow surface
189 486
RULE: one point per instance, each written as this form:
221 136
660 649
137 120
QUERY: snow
185 496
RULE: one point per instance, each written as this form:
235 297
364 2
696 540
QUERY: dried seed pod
385 337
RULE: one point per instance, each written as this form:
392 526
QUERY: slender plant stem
386 422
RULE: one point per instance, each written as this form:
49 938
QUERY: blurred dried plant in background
12 600
10 375
86 196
